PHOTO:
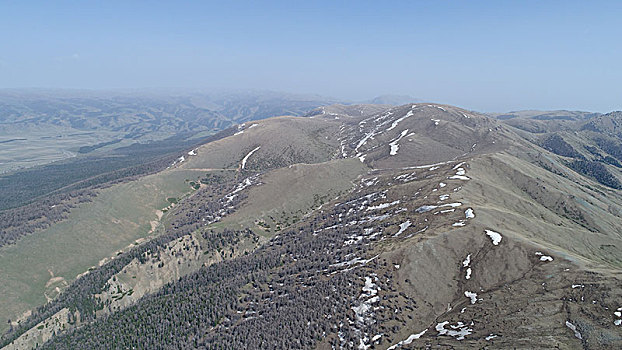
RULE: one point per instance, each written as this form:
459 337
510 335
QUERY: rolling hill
364 226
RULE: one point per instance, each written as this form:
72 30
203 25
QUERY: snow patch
469 213
458 166
408 340
248 155
618 314
427 208
467 261
494 236
383 205
394 144
459 334
403 227
471 295
574 329
409 114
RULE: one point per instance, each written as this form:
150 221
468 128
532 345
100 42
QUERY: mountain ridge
439 216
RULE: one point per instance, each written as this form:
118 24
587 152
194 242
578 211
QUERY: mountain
39 126
392 100
361 226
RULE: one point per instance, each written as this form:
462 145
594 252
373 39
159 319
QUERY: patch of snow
491 336
397 266
459 224
460 171
442 184
459 177
436 121
409 114
408 340
466 261
374 218
577 286
181 159
362 158
443 197
394 144
494 236
458 166
370 182
422 230
471 295
403 227
469 213
574 329
383 205
241 186
248 155
192 153
459 334
427 208
423 166
406 177
468 273
253 125
617 322
546 258
368 288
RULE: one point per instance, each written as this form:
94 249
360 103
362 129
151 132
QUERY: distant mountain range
39 126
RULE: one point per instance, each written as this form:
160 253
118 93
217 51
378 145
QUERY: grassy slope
289 193
493 192
307 140
121 214
116 218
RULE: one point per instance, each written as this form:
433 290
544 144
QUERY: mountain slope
416 226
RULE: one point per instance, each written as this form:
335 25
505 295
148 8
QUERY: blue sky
483 55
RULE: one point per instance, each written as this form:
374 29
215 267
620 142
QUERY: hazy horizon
485 56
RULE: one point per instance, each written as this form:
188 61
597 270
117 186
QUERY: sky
483 55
